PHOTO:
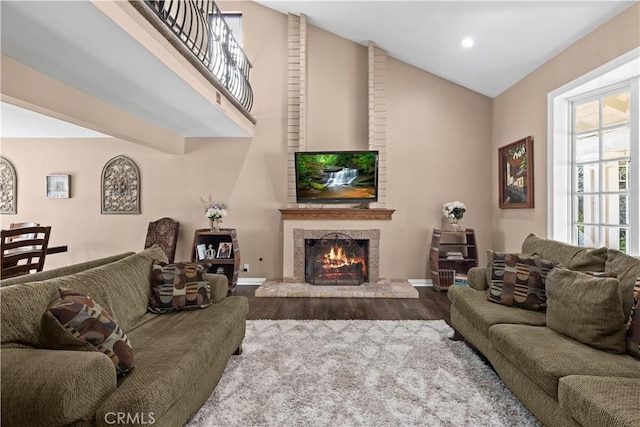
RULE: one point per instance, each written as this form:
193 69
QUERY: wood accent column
297 98
377 60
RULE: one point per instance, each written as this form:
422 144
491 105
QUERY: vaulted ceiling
511 38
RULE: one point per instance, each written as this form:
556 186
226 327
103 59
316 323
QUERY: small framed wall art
58 186
516 175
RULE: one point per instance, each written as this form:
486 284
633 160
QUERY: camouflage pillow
518 280
633 324
74 321
179 286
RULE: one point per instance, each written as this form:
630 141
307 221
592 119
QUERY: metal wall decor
121 187
8 187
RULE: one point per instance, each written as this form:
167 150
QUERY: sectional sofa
179 356
567 359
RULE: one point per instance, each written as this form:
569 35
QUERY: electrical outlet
245 267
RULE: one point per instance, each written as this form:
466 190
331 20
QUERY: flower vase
453 222
214 224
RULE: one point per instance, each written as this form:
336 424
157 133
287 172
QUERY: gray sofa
179 356
561 380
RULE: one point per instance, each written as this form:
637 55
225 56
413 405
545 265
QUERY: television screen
336 176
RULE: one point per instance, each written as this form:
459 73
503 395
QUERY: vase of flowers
454 211
214 211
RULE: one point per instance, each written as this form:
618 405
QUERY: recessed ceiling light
467 42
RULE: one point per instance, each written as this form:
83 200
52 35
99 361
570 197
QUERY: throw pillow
573 257
74 321
586 308
518 280
178 286
633 325
627 269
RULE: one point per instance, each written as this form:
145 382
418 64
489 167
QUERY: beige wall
440 148
337 92
522 110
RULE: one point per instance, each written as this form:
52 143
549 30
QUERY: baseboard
420 283
250 281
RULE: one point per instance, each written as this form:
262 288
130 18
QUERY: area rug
358 373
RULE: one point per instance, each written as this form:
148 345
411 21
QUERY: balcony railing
201 27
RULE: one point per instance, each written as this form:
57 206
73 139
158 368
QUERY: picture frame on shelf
58 186
224 250
200 251
515 177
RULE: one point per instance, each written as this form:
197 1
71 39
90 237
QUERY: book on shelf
455 255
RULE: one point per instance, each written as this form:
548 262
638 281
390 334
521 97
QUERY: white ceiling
16 122
512 38
75 43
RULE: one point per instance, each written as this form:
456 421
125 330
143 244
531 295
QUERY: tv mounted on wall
336 176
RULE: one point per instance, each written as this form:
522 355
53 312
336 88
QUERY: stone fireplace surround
300 235
296 286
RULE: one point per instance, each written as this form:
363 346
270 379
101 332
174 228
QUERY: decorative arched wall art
8 187
121 187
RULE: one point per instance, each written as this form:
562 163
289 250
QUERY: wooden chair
23 250
164 233
15 225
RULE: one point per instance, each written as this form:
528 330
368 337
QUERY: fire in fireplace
336 259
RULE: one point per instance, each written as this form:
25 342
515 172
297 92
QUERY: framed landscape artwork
516 175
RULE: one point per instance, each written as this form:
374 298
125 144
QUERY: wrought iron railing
200 25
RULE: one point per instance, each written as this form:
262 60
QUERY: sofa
179 355
563 359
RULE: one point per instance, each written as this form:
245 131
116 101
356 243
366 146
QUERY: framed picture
224 250
58 186
200 251
516 175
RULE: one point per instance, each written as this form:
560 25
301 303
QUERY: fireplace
336 259
359 256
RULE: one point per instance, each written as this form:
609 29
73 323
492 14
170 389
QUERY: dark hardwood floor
430 305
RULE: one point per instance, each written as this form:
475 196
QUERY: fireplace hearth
336 259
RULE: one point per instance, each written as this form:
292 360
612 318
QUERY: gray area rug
358 373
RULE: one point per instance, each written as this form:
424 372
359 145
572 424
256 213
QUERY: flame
337 258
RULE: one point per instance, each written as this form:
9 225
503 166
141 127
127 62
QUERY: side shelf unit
443 243
230 267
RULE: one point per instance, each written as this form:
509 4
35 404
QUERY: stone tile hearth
383 288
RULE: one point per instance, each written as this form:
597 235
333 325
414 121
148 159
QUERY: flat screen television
336 176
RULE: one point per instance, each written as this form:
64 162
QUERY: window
601 156
594 153
234 21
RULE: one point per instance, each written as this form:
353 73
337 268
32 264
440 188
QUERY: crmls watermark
119 418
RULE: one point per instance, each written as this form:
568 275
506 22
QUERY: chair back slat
23 250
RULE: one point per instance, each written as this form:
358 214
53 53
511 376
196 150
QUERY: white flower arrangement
453 210
214 209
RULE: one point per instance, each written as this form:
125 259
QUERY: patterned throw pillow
179 286
74 321
518 280
633 325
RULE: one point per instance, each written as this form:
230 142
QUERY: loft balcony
118 68
207 41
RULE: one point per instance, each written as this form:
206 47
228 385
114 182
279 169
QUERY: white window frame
624 69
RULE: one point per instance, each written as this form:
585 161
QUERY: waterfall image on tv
336 176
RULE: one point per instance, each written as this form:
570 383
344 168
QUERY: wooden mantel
337 213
